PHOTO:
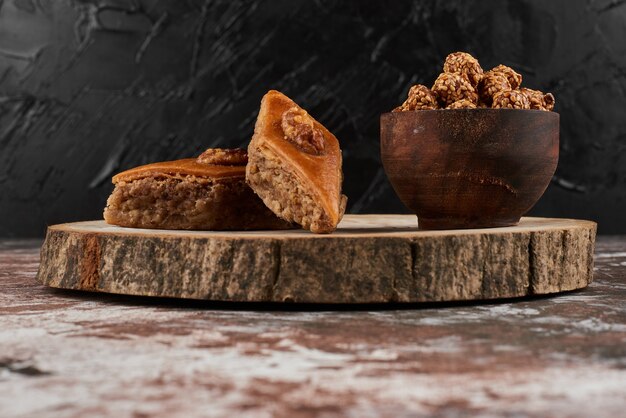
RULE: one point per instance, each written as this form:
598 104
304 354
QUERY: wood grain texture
370 259
469 168
80 354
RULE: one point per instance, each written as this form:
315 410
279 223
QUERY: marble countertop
75 354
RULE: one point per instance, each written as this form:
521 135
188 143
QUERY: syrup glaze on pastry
204 193
295 165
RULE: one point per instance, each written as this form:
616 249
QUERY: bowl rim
477 110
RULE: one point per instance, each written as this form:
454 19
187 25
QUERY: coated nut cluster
539 100
462 104
420 98
490 84
515 79
510 99
464 85
464 64
451 87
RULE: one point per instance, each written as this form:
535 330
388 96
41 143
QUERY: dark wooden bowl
469 168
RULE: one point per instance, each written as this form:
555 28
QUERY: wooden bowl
469 168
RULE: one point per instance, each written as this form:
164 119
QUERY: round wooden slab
369 259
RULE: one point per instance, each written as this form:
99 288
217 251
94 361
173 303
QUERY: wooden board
369 259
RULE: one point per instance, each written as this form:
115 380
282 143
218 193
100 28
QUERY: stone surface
89 88
369 259
75 354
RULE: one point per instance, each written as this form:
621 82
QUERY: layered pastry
295 165
204 193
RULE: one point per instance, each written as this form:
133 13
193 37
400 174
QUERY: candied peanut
535 97
549 101
464 85
462 104
464 64
299 129
515 78
539 100
490 84
222 156
452 87
420 98
510 99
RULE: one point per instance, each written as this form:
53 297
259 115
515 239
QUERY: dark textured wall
88 88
